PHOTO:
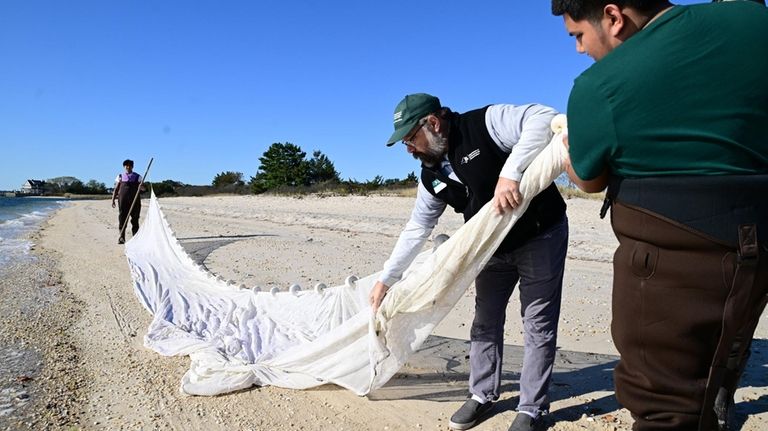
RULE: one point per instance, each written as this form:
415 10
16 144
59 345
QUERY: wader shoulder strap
739 321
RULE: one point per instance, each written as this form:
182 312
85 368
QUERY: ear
613 20
434 122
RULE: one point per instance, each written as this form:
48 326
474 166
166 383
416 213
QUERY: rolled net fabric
238 337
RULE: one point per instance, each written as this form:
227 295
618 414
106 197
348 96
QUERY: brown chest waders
730 211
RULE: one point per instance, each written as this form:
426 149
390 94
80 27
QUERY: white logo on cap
398 116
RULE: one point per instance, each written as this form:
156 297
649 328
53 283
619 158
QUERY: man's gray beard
437 146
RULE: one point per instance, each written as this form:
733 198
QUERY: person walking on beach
673 119
127 186
468 160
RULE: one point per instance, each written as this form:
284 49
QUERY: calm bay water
19 217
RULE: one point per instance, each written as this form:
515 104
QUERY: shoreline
44 384
102 377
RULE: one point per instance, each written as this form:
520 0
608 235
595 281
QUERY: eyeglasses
408 142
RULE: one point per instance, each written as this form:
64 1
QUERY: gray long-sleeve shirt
521 131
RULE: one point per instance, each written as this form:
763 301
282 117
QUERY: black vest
477 161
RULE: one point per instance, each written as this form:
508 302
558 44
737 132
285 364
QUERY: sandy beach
95 373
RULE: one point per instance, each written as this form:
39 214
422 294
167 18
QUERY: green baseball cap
409 111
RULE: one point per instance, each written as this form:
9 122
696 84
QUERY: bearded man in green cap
467 161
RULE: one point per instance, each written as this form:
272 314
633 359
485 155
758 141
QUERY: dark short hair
762 2
128 162
592 10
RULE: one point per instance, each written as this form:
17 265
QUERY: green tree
76 187
282 164
95 187
375 183
52 189
166 188
409 181
61 182
321 169
58 185
228 178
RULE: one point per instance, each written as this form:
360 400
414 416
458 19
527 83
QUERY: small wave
15 245
29 219
34 215
15 250
26 217
15 229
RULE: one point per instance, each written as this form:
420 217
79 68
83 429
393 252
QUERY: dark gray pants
538 265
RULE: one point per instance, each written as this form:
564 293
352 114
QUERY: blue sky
207 86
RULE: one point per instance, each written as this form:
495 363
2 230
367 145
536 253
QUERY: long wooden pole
136 197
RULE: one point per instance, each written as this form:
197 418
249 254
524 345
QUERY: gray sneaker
467 416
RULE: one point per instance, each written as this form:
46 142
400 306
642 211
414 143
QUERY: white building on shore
32 188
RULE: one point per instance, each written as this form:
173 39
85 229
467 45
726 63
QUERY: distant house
32 188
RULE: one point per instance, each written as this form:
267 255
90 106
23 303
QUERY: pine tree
282 164
321 169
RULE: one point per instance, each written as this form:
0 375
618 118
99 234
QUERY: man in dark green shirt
673 119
